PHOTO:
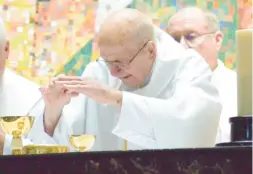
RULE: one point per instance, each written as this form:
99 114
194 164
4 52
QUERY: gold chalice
17 126
82 143
44 149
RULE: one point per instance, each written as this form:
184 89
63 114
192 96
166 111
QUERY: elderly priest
199 29
145 89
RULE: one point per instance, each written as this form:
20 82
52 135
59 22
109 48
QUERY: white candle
244 71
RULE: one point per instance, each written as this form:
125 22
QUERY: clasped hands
63 88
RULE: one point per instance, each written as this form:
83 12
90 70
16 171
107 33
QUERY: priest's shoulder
15 79
186 61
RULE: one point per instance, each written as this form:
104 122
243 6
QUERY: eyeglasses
192 40
119 64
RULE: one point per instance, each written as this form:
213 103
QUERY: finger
72 93
76 88
52 84
69 78
74 82
58 77
42 89
52 88
45 90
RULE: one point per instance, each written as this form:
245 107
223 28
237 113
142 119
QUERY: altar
234 157
218 160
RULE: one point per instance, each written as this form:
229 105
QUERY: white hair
2 32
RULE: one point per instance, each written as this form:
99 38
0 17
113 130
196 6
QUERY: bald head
203 15
127 25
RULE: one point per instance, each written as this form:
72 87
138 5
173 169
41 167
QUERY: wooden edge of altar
130 153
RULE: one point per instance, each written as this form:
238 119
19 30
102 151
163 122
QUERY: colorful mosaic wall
53 37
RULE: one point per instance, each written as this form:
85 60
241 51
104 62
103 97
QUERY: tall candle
244 71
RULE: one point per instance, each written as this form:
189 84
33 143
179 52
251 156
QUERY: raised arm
187 119
54 124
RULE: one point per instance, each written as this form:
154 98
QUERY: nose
183 43
115 70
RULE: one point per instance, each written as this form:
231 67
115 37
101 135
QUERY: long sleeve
189 118
73 118
72 121
37 134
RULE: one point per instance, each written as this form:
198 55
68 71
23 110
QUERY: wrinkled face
192 31
4 52
129 62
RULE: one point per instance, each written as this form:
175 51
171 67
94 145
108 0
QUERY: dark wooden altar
219 160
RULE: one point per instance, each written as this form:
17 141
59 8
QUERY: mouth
126 77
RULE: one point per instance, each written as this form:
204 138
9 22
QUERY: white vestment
225 81
178 108
17 97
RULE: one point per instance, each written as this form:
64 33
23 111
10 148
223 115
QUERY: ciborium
17 126
82 143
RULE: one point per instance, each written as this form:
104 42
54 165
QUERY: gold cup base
16 145
44 149
17 152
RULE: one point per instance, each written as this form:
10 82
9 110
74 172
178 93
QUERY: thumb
42 89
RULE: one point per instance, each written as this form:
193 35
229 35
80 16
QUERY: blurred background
59 36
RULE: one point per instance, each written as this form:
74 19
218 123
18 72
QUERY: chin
131 84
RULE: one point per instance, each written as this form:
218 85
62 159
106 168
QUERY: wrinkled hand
56 95
91 88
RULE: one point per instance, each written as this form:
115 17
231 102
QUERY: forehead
187 22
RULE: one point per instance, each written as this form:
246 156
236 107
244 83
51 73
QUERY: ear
7 49
218 39
152 49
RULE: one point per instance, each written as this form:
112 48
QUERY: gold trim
125 145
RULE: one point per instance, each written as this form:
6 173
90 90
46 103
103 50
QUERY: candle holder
240 132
